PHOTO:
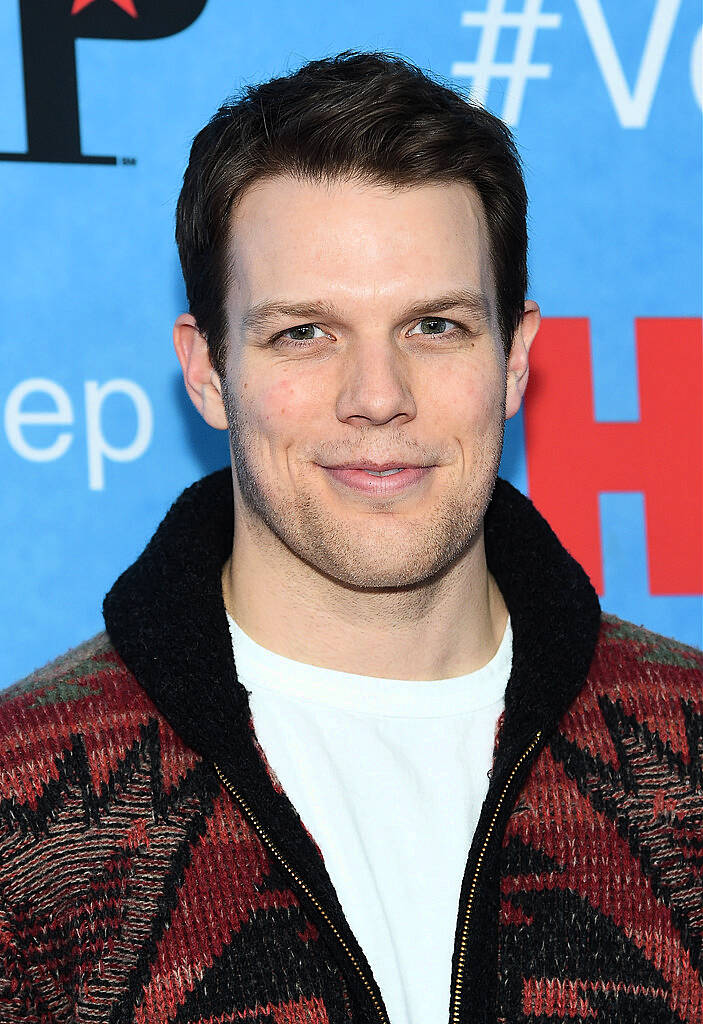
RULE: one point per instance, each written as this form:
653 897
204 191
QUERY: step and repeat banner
100 101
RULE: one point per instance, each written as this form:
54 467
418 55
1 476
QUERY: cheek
489 405
462 405
283 407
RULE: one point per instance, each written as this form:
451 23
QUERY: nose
375 386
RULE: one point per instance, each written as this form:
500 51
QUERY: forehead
357 240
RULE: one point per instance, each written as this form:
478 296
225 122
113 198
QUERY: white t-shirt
388 776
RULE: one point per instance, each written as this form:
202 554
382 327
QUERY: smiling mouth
378 483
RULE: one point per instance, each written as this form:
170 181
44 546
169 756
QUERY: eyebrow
257 317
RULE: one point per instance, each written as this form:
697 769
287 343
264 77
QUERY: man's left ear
518 368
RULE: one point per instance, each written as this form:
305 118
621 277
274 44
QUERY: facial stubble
352 555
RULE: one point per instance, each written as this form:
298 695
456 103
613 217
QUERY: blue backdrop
97 435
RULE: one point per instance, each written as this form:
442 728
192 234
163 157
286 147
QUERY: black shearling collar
166 617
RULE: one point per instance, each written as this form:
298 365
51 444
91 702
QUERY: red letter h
571 458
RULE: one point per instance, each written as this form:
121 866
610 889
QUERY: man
270 791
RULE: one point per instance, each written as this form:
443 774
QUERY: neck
447 626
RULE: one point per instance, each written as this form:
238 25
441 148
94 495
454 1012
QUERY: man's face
372 367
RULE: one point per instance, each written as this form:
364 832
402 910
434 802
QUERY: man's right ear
202 382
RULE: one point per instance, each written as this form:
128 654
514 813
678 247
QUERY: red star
126 5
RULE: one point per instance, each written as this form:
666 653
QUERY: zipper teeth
474 882
279 857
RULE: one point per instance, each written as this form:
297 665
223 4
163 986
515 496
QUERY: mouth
378 480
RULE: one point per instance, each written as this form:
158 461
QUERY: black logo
49 32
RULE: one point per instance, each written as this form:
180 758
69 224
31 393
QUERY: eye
429 325
299 336
303 334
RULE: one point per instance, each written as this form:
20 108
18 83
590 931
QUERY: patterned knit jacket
153 870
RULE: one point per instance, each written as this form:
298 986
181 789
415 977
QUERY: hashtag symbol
485 68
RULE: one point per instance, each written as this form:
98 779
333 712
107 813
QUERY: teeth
385 472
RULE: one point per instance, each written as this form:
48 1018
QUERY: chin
371 568
373 577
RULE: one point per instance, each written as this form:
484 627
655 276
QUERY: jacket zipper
456 997
266 839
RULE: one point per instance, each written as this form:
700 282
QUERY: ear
201 381
518 367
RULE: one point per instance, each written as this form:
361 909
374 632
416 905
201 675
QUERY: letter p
99 448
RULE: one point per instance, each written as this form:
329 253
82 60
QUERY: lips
378 467
365 478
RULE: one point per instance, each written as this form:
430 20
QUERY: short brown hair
372 117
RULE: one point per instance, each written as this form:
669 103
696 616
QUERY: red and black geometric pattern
132 887
602 861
